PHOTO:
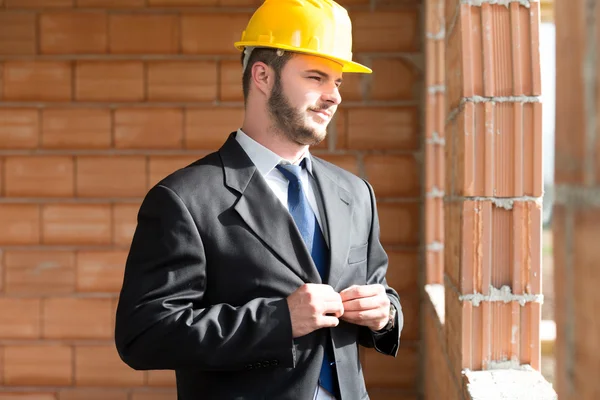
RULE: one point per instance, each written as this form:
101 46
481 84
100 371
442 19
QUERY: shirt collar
264 159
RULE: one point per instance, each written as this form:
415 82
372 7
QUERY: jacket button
274 363
249 367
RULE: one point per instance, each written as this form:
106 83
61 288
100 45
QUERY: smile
323 113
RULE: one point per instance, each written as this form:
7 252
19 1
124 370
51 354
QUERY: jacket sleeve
377 264
162 321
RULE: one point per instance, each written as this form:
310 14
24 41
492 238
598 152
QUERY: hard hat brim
347 65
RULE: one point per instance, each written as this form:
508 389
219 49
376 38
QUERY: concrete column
576 216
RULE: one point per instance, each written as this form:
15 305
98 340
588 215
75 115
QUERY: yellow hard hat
317 27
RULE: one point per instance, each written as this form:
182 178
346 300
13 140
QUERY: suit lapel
263 212
337 202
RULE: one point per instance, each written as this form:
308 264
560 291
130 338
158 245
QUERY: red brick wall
97 103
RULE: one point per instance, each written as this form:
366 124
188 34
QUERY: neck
262 131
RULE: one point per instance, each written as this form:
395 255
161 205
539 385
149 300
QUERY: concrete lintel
504 294
578 196
514 384
479 3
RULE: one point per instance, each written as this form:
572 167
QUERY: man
256 272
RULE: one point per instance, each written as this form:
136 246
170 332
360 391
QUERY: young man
256 272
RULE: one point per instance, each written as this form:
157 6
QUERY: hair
269 57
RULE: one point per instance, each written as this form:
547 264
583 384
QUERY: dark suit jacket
213 258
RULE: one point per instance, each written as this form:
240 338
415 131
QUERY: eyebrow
323 74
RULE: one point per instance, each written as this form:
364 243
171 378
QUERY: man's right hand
314 306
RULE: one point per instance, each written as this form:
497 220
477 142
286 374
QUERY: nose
332 96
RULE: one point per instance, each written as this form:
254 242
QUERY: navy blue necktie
307 224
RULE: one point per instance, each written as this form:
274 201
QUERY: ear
262 77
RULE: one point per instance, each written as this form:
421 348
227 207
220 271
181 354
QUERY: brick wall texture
576 219
99 99
483 166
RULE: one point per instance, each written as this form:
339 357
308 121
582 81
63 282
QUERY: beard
291 121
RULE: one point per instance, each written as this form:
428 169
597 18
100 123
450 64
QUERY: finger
366 303
357 292
334 308
326 321
364 317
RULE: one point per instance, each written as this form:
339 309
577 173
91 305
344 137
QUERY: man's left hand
366 305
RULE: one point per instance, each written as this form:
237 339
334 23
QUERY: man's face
305 97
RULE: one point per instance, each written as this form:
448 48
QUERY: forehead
308 62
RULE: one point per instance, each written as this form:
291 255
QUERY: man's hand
312 307
366 305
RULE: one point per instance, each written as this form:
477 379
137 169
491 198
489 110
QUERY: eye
316 78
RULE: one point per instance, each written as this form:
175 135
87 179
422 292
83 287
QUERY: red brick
341 129
19 318
385 31
161 378
396 372
100 271
125 222
229 3
101 366
154 396
180 3
41 176
19 128
347 162
111 4
111 176
20 224
212 33
148 128
182 81
403 270
39 272
38 3
27 396
77 318
230 86
38 365
76 224
161 166
353 87
76 128
144 34
17 33
208 128
383 128
93 394
399 223
73 33
393 79
393 175
37 80
109 81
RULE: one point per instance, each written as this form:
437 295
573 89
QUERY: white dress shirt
265 161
